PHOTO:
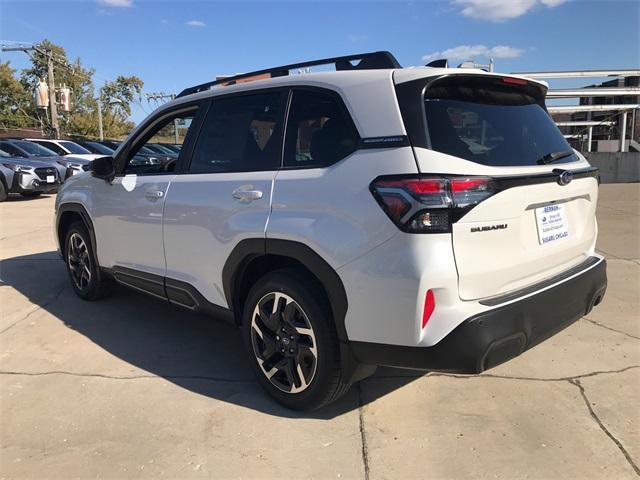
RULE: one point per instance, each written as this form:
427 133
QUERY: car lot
128 387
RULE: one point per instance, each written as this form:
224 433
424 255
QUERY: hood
49 159
76 159
83 156
26 162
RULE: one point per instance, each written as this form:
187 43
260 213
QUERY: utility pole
48 54
165 96
52 96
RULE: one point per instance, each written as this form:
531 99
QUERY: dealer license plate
552 223
51 178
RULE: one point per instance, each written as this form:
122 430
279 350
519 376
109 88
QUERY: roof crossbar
367 61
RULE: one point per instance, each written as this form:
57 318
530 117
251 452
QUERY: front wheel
289 333
85 275
3 192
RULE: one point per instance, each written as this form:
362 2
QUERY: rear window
491 123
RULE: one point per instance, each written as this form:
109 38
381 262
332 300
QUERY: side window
147 158
240 133
319 130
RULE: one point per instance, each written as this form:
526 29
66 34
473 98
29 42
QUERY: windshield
4 154
74 147
487 126
35 149
99 148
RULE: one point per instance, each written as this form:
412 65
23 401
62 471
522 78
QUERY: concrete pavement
130 388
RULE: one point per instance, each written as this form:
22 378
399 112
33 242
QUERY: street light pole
112 101
100 120
175 125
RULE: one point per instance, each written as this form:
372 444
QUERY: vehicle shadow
196 352
16 197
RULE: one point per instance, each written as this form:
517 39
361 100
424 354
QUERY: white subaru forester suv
425 218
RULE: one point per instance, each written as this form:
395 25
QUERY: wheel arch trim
79 209
250 249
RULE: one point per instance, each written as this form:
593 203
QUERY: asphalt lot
129 387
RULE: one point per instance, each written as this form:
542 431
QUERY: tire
294 351
3 192
86 277
31 194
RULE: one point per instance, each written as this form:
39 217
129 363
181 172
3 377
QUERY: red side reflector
514 81
429 306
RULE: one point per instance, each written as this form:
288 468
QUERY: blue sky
175 44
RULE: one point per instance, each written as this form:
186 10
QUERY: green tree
116 97
16 104
82 120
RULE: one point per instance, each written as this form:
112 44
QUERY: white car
67 148
426 218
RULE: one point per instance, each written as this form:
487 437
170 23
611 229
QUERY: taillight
429 205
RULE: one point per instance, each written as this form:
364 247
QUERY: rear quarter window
320 131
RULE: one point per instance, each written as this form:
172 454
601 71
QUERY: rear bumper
495 336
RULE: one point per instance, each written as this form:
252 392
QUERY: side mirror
103 168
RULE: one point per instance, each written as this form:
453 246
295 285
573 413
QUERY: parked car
65 148
24 149
96 147
29 178
161 150
102 149
424 218
145 156
174 148
113 144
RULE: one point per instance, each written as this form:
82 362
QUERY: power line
160 96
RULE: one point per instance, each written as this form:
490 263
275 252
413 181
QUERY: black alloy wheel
87 280
78 261
284 342
290 336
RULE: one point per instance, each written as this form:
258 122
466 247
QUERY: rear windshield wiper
554 156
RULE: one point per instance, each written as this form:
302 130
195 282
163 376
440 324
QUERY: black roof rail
368 61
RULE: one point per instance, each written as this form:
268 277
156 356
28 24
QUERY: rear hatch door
540 219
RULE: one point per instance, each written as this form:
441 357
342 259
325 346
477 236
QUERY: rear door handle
246 194
154 194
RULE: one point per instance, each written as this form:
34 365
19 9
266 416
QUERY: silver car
29 178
